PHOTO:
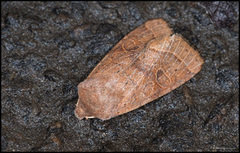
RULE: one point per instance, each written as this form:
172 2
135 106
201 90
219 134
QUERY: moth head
80 112
83 107
88 106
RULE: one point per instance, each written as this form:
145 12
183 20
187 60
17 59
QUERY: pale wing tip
78 111
199 61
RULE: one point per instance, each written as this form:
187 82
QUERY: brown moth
146 64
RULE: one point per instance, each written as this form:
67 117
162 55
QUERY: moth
146 64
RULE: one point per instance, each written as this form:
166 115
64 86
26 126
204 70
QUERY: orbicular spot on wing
163 79
133 44
130 45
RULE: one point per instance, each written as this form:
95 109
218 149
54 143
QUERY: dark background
48 48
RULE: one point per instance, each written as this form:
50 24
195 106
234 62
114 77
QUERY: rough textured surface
47 48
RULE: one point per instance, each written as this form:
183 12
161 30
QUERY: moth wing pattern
146 64
131 46
176 63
